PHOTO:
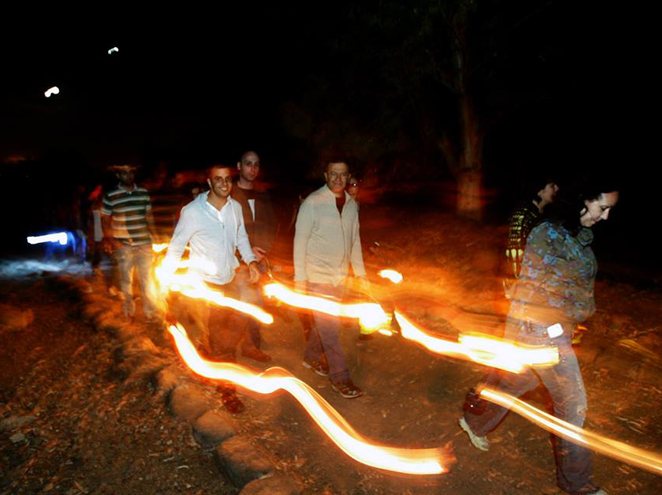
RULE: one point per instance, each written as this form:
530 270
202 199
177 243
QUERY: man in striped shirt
128 228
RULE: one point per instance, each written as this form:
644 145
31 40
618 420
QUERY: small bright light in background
113 50
52 91
60 237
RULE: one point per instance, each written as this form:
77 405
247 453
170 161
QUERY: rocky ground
87 405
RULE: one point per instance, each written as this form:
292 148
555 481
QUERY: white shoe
481 443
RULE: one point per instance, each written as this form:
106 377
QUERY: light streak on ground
484 350
52 91
392 275
370 315
191 285
620 451
60 237
401 460
159 247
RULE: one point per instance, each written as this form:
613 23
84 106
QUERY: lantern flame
392 275
620 451
410 461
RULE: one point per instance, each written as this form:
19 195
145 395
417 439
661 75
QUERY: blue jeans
324 337
566 388
138 259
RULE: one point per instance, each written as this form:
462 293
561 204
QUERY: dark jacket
261 231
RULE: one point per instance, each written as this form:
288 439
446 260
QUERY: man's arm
267 223
243 244
356 256
183 232
302 232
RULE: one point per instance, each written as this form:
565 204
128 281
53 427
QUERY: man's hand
363 285
253 272
300 286
259 253
109 245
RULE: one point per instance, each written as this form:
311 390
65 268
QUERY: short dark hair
219 165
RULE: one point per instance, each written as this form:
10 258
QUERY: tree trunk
469 203
469 176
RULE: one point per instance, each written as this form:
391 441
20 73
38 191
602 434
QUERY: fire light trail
483 350
409 461
191 285
370 315
159 247
611 448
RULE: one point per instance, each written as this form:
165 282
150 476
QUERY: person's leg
326 335
564 382
143 263
124 260
250 293
226 327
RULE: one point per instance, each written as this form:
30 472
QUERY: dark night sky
192 85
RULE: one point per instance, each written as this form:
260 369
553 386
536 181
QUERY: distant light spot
113 50
52 91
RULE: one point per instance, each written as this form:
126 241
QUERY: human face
353 187
336 176
249 167
220 182
598 209
548 193
126 177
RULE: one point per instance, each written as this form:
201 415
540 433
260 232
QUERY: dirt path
90 432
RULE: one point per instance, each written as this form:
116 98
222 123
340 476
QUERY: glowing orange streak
370 315
392 275
191 285
483 350
410 461
158 247
611 448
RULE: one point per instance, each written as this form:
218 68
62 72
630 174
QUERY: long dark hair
567 208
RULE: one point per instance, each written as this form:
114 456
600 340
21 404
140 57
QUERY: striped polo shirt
128 210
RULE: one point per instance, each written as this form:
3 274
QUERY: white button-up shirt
213 237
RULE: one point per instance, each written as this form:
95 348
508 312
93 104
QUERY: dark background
557 86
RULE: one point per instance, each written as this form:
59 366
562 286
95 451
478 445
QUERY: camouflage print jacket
557 278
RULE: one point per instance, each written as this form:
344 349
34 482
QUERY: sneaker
481 443
347 389
256 354
322 369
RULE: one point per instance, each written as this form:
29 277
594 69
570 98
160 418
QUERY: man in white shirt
212 226
326 242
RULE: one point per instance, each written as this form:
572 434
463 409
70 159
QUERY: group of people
233 226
